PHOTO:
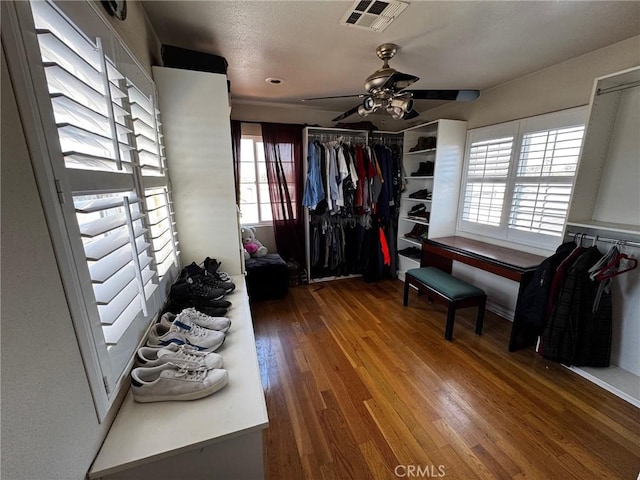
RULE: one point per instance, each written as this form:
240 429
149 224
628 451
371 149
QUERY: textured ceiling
447 44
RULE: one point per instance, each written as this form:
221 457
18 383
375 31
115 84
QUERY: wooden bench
448 290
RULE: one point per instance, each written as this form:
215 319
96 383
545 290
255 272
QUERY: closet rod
585 236
624 86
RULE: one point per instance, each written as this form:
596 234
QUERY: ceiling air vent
373 15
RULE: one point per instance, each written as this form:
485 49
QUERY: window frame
518 129
41 132
255 139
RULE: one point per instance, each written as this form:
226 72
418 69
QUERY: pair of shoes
170 381
194 273
417 210
181 330
424 143
190 316
411 252
211 266
423 194
424 170
213 308
417 231
181 355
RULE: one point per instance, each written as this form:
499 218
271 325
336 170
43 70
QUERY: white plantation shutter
488 169
121 227
519 177
547 164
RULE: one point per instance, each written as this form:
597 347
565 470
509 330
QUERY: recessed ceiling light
275 80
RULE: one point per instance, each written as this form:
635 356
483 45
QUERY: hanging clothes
531 310
575 334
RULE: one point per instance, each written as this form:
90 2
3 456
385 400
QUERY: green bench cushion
450 286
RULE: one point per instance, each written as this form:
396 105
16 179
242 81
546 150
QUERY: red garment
385 248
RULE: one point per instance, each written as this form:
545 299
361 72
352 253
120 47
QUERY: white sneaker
191 315
168 382
179 333
181 355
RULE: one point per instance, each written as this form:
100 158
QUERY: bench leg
480 319
405 301
448 330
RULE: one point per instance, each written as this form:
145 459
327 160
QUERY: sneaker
213 308
194 287
193 272
181 355
190 316
179 333
169 382
423 194
211 267
417 210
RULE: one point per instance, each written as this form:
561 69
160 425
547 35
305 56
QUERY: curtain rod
624 86
598 238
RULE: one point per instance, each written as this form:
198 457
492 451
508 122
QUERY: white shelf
418 152
143 433
409 199
412 220
418 178
607 226
411 241
616 380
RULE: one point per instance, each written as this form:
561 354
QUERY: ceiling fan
386 89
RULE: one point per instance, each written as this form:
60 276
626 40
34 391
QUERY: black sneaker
194 272
417 210
176 308
423 194
212 268
193 287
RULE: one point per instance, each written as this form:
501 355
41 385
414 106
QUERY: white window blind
486 180
519 176
121 226
547 164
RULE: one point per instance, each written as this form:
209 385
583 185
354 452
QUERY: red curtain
283 157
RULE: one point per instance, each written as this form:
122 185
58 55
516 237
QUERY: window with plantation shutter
486 181
546 166
111 179
518 178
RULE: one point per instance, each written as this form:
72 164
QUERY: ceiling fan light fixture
404 103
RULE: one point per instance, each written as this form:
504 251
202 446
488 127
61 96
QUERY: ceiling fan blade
358 95
346 114
399 81
410 115
459 95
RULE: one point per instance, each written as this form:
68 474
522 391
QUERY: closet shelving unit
444 185
606 204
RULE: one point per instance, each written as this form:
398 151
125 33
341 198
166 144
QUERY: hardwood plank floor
360 387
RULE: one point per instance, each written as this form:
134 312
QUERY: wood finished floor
359 387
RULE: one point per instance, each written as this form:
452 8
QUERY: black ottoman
267 277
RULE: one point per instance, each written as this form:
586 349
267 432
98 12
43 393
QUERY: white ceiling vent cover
373 15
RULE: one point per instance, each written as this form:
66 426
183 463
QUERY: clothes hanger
612 268
604 261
